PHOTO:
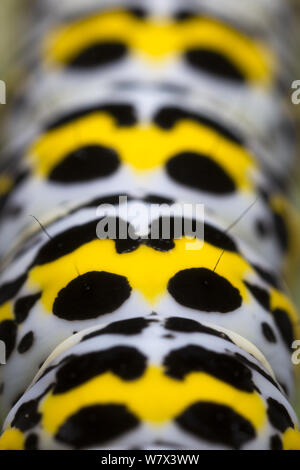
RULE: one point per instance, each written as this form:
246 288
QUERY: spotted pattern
117 380
74 280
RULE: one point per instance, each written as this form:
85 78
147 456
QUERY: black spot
91 295
26 342
260 294
268 333
31 442
112 199
278 415
137 12
73 238
267 276
203 289
284 326
125 362
168 336
23 306
262 228
123 114
86 164
8 334
200 172
185 325
27 416
185 15
124 242
181 362
95 425
165 229
155 199
134 326
66 242
219 239
281 231
1 388
216 423
99 54
214 63
167 117
275 442
10 289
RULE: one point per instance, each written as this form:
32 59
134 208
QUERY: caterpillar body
129 319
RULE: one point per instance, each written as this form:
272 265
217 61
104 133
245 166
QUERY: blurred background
14 15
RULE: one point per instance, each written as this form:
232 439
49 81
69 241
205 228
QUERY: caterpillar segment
156 382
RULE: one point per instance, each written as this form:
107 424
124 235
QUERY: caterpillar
147 230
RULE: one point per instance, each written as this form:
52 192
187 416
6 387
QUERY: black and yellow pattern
156 381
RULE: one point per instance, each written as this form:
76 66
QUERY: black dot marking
1 388
31 442
181 362
127 244
137 12
26 342
86 164
200 172
284 325
185 15
185 325
91 295
267 276
268 333
8 334
66 242
27 416
260 294
123 114
167 117
126 362
214 63
203 289
99 54
218 424
168 336
275 442
281 231
262 228
112 199
278 415
155 199
73 238
23 306
96 425
220 239
134 326
10 289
